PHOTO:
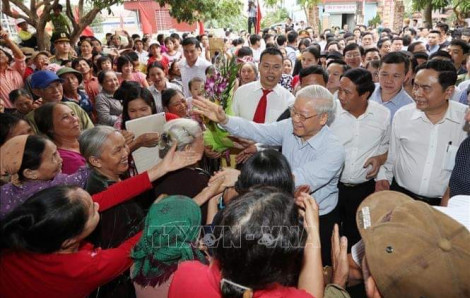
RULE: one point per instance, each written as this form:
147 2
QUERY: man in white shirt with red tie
425 136
263 101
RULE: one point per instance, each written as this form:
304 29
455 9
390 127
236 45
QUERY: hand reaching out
339 256
210 110
172 161
310 212
149 139
229 175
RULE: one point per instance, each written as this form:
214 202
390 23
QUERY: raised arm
132 187
311 274
17 53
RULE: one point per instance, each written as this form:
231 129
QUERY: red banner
258 18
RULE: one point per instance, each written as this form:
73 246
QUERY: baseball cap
412 249
60 36
43 78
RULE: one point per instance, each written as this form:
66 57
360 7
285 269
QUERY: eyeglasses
301 117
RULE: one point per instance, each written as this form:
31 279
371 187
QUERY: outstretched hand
229 175
210 110
172 161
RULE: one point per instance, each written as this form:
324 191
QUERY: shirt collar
396 100
343 111
451 114
185 63
259 86
315 141
154 89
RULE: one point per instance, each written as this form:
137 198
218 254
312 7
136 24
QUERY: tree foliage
182 10
228 15
273 17
460 7
194 10
39 20
310 8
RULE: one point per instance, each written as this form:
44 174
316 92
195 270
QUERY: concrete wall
370 12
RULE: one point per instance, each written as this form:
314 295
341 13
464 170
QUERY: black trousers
350 197
327 223
251 22
431 201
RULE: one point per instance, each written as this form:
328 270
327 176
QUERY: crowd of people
345 143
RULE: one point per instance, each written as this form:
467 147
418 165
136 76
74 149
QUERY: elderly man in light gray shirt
314 153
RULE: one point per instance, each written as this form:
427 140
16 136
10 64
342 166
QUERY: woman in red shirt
42 248
260 250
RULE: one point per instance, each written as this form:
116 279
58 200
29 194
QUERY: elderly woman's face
178 105
51 163
65 122
114 157
247 74
110 83
198 145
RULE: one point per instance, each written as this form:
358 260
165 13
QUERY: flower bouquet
219 85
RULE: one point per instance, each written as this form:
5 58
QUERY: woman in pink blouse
126 73
59 122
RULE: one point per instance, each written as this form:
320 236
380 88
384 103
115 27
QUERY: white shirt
419 150
257 54
247 97
292 53
157 95
362 137
189 72
143 57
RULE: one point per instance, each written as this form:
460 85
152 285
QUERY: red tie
260 113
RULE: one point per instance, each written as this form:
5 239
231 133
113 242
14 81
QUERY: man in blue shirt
314 153
392 74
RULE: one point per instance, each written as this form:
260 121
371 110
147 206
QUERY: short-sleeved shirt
60 23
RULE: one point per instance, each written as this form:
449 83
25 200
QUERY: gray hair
182 131
253 66
92 140
322 98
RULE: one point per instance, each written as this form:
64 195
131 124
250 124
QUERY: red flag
201 27
145 17
258 18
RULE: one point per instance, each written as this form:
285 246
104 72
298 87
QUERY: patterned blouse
11 195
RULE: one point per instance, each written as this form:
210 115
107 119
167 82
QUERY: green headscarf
169 237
